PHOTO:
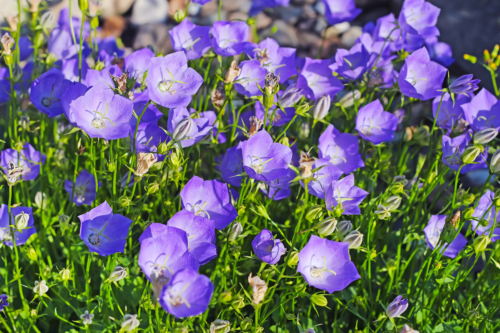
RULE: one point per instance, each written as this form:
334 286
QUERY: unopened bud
220 326
302 109
468 199
111 166
64 219
472 315
344 227
31 253
327 226
225 297
183 129
290 96
21 221
238 302
319 300
118 273
481 243
124 201
314 213
33 313
468 212
40 288
152 188
217 98
393 202
65 274
470 154
179 16
294 259
261 210
400 180
470 58
162 148
484 136
233 72
354 238
246 324
495 162
348 99
382 212
321 108
290 316
236 231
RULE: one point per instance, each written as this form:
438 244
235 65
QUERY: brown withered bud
118 61
232 72
7 42
121 81
262 56
259 288
12 21
34 5
131 95
217 98
271 81
144 162
255 125
81 150
306 163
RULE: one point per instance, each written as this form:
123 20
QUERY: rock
285 35
174 6
236 5
238 16
149 12
113 7
350 36
114 26
309 40
289 15
263 21
155 34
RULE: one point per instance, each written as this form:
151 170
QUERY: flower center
317 272
48 101
177 299
367 129
95 238
167 84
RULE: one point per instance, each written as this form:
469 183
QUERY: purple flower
209 199
326 264
388 28
104 232
85 191
383 75
486 208
266 248
232 166
229 38
102 114
200 127
274 114
374 124
259 5
433 232
420 77
152 114
74 91
4 85
21 237
137 63
109 50
317 80
26 162
276 59
341 148
453 149
352 64
279 188
148 138
439 52
71 71
252 77
418 17
193 39
338 11
46 92
171 83
464 85
322 178
187 294
3 301
61 44
344 195
94 76
200 234
481 112
397 307
450 113
263 159
201 2
64 23
26 48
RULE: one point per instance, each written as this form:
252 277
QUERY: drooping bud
118 273
495 162
306 163
255 125
225 297
290 96
450 227
481 243
217 98
21 221
484 136
315 212
152 188
393 202
354 238
344 227
40 288
183 129
220 326
321 108
259 288
233 72
327 226
382 212
294 259
65 274
130 322
236 231
471 153
319 300
348 99
7 43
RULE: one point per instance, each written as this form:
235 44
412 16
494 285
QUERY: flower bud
33 313
48 20
354 238
117 274
294 259
124 201
111 166
259 288
152 188
162 148
233 72
348 99
225 297
392 203
468 199
319 300
302 109
481 243
64 219
400 180
344 227
472 315
261 211
41 200
495 162
40 288
407 329
179 15
83 4
468 212
327 226
305 130
217 98
7 42
484 136
382 212
65 274
236 231
290 316
470 154
246 324
314 213
220 326
21 221
130 322
396 307
301 287
321 108
31 253
290 96
238 302
183 129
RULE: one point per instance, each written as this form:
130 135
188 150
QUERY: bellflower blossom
200 234
343 194
486 208
3 302
338 11
264 160
275 115
439 52
279 188
453 149
316 79
276 59
482 111
420 77
418 17
326 264
232 166
22 236
450 112
103 114
26 163
4 85
230 38
266 248
71 71
148 137
259 5
94 76
200 127
74 91
209 199
387 28
137 63
104 232
25 48
171 83
352 64
433 232
341 148
374 124
322 178
193 39
252 77
464 85
187 294
46 92
85 191
397 307
109 50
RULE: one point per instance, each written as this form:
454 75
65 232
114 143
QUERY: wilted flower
341 148
326 264
374 124
104 232
21 221
259 288
217 98
233 72
433 232
87 318
3 302
396 307
187 294
464 85
84 192
40 288
7 42
344 195
21 215
130 322
266 248
407 329
382 212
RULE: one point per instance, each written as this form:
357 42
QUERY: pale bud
495 162
393 202
327 226
41 200
233 72
33 313
382 212
344 227
236 231
238 302
314 213
220 326
65 274
31 253
484 136
183 129
355 238
152 188
162 148
290 96
407 329
319 300
470 154
348 99
481 243
305 130
321 108
259 288
40 288
179 15
246 324
118 274
400 180
21 221
294 259
130 322
64 219
48 20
